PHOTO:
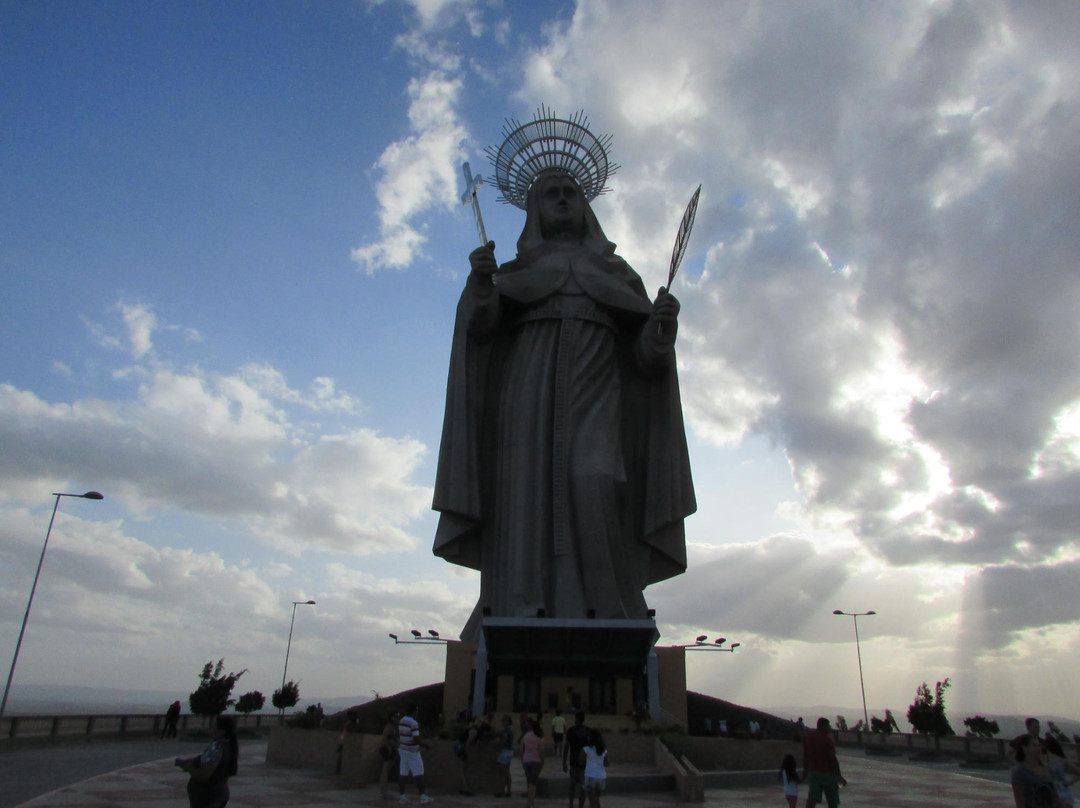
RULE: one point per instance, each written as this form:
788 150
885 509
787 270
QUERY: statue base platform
554 646
604 667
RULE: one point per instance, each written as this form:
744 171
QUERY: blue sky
231 245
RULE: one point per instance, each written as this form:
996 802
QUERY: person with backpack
208 784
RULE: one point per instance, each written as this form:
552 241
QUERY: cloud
882 277
419 173
224 446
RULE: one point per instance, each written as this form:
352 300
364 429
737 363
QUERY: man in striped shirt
409 746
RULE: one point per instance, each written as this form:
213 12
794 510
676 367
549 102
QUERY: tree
212 696
927 713
884 725
287 696
841 723
250 702
980 727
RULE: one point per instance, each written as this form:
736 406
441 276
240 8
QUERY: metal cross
472 184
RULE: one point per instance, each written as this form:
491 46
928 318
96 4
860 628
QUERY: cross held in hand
472 185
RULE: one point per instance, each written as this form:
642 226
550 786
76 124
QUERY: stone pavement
874 783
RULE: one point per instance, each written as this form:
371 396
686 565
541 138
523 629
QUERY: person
789 776
388 751
1032 785
463 746
410 762
1059 768
209 772
558 730
576 739
821 769
562 402
506 754
172 717
594 764
532 760
351 725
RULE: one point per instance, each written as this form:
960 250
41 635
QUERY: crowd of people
1041 777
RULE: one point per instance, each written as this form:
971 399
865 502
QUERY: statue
563 470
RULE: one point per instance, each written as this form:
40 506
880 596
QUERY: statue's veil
531 236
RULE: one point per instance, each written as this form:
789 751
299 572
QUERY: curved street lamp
33 589
288 647
855 619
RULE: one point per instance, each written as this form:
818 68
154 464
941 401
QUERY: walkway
875 783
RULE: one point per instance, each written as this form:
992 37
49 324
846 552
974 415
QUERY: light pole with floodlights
855 619
288 647
33 589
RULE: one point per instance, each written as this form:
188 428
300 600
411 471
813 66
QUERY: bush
979 727
311 718
250 702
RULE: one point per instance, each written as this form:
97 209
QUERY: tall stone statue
563 471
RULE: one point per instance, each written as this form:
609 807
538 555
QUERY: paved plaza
874 783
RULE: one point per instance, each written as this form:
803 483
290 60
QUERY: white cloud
925 154
225 446
419 173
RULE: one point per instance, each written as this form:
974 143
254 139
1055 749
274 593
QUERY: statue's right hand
482 260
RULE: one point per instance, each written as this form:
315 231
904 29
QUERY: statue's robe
563 470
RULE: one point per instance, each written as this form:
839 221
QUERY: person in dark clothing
577 738
208 786
172 716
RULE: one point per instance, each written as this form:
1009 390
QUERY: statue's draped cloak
563 470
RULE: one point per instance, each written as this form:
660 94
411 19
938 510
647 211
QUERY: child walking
789 776
594 756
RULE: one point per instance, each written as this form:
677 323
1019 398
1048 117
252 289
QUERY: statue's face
562 207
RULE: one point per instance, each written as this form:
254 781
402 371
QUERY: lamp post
855 619
33 589
288 647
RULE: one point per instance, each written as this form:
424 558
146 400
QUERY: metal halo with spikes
548 143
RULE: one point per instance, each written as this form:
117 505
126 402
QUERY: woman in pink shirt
532 758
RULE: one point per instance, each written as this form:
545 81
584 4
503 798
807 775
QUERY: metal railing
29 728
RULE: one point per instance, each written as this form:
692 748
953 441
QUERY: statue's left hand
665 316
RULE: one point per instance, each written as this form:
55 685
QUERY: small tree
287 696
841 723
213 695
884 725
979 727
927 713
250 702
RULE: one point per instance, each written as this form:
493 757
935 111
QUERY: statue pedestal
604 667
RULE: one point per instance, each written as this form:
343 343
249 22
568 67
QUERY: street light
855 619
288 647
700 644
33 589
418 638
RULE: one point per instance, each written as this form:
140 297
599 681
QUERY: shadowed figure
563 471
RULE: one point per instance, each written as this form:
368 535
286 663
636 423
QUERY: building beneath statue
603 667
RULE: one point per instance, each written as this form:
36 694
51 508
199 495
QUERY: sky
231 244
